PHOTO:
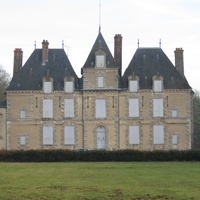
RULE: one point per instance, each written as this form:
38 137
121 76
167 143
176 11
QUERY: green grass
103 180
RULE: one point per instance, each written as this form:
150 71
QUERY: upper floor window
158 107
69 108
157 86
47 108
100 81
100 105
69 86
47 87
133 85
133 107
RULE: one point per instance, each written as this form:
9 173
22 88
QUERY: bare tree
4 82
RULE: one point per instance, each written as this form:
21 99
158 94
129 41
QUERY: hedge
97 156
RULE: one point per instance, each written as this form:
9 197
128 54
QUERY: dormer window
69 88
47 86
157 83
100 59
133 85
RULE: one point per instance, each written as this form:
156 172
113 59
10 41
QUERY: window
133 107
22 114
100 61
133 86
47 87
69 87
157 85
47 135
100 81
134 135
100 105
158 134
48 108
22 140
174 113
158 107
174 139
69 108
69 135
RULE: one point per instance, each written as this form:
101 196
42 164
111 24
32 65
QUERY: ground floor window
47 134
158 134
101 133
134 135
69 135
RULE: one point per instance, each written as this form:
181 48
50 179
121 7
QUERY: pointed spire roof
100 44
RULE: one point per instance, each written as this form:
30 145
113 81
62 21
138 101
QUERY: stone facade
102 109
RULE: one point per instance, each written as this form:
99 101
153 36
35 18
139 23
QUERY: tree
196 120
4 82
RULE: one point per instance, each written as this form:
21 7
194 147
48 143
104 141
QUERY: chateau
48 106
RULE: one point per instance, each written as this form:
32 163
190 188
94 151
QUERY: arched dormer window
47 85
133 83
69 84
100 59
157 83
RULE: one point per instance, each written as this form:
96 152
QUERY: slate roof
148 62
31 75
100 42
3 104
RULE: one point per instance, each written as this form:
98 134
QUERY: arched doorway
101 142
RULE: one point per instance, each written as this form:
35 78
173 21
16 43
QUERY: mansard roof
3 104
148 62
100 44
57 67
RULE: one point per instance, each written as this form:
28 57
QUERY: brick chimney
45 51
179 64
118 51
18 55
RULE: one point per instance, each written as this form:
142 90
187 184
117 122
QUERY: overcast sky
175 22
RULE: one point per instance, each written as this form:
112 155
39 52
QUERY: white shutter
133 107
47 108
133 86
22 114
174 113
157 85
158 107
174 139
158 134
69 135
22 140
100 81
47 87
100 108
100 62
134 135
69 108
69 87
47 135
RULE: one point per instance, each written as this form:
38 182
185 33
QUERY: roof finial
99 16
160 43
62 44
35 44
138 43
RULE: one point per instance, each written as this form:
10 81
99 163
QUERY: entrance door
101 144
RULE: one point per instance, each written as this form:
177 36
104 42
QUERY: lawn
103 180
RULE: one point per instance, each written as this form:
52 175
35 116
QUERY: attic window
100 61
133 85
47 87
157 86
69 86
